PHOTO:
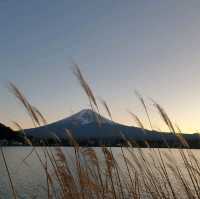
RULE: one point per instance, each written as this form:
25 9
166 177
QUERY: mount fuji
85 124
89 125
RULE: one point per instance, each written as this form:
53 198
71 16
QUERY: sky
151 46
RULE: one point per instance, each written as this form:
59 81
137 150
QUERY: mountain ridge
87 124
88 127
81 120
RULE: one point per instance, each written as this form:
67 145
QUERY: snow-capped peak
85 116
88 116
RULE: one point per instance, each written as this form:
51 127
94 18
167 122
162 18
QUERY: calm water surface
29 177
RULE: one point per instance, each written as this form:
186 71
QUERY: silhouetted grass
143 175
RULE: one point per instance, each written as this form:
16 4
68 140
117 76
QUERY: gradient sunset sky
152 46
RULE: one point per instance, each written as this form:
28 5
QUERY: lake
29 176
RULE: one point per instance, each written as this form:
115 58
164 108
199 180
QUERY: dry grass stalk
9 175
141 99
145 173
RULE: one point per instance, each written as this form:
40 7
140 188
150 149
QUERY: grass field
141 176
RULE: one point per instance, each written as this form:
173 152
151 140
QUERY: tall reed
98 173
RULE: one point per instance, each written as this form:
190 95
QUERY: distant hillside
7 134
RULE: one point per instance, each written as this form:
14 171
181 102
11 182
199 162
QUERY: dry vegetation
143 175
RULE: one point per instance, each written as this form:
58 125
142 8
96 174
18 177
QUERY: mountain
83 124
87 125
8 134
